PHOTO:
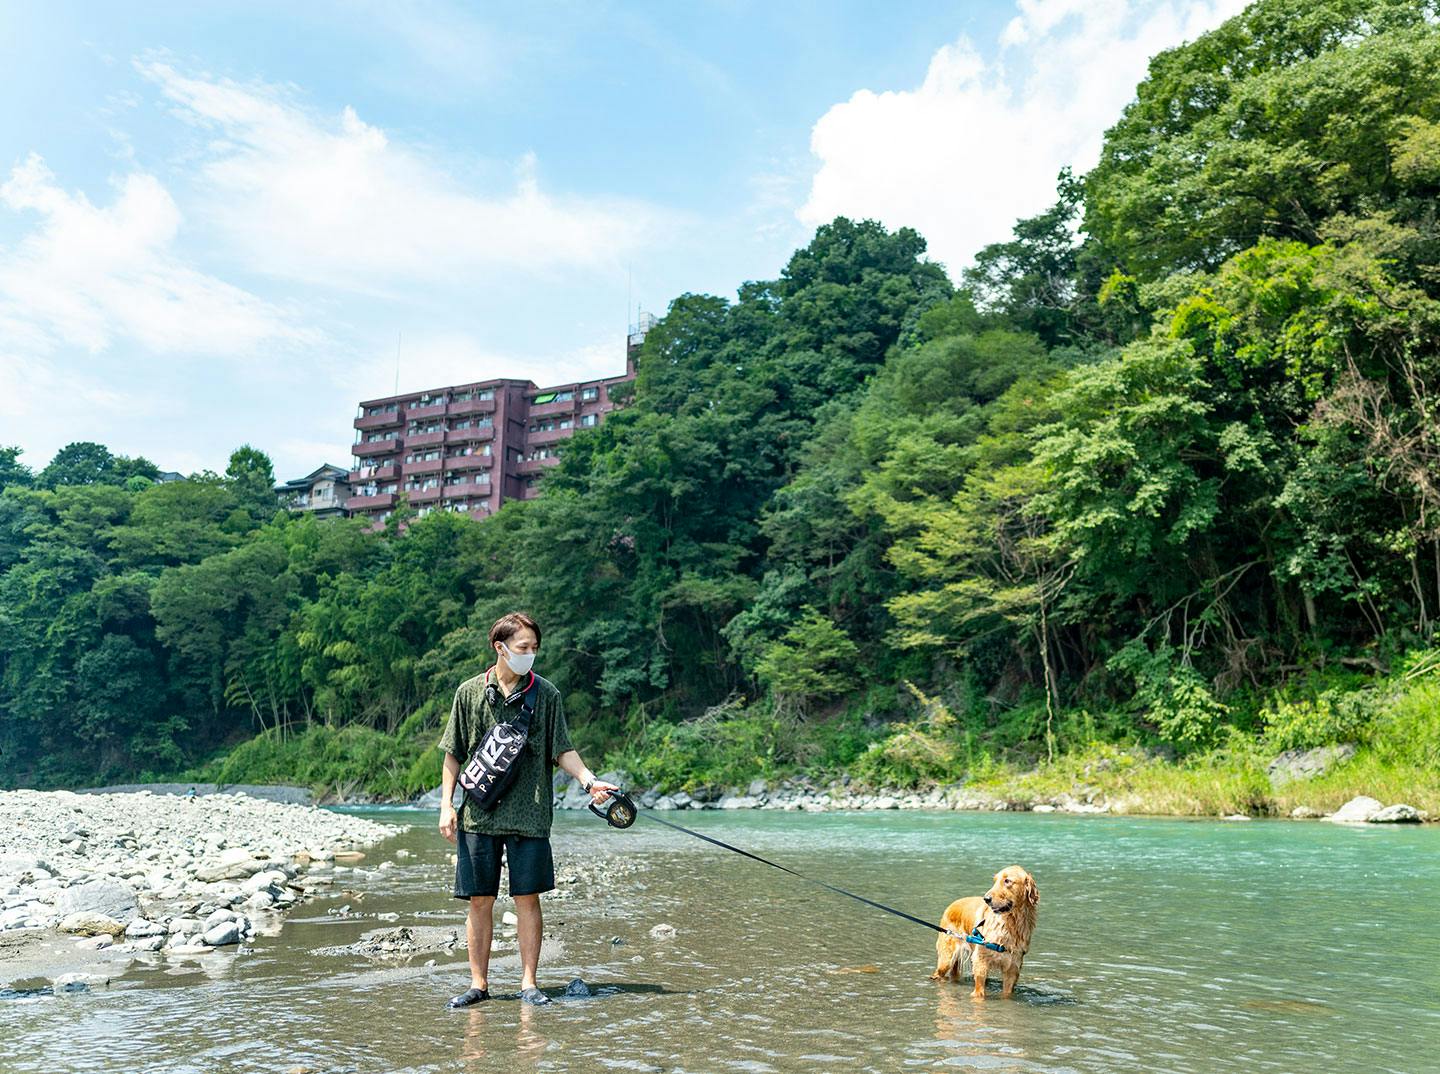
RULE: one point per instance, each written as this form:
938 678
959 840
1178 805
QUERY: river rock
1304 812
665 802
140 929
237 863
1356 811
96 943
97 897
758 788
226 932
85 923
578 989
1303 764
738 801
662 931
1397 814
681 799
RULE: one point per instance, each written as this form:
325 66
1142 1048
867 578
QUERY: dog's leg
1008 977
980 968
942 959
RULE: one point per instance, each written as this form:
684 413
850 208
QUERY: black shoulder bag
492 766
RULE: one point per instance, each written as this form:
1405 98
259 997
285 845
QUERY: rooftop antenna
628 279
397 363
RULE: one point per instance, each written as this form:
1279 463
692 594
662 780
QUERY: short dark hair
508 625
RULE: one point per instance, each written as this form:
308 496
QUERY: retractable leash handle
618 811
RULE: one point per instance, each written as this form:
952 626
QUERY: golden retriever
1005 915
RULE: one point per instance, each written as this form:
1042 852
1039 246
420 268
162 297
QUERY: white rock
85 923
98 897
1356 811
739 801
227 932
233 864
508 918
260 900
96 943
885 802
1397 814
662 932
140 928
665 802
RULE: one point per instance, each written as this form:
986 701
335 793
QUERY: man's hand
447 821
600 790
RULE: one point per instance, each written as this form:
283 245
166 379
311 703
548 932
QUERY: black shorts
477 864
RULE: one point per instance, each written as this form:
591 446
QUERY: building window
486 451
589 395
485 394
566 423
588 421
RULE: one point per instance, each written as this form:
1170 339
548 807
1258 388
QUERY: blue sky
217 220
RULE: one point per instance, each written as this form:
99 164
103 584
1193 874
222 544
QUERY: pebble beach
90 881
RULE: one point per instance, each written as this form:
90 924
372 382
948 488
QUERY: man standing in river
518 826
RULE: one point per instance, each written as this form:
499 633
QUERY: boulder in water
1356 811
1397 814
577 988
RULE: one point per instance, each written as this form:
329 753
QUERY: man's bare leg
479 932
529 927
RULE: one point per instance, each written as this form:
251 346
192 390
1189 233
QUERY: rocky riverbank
808 796
91 881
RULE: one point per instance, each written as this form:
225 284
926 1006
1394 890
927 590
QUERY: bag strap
527 704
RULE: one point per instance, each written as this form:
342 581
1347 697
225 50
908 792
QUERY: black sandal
534 996
468 998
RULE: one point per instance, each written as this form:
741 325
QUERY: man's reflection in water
486 1033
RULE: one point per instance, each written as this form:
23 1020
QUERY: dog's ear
1034 891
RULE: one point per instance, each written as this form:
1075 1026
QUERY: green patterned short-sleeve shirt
525 808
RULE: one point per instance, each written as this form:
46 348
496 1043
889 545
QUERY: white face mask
519 663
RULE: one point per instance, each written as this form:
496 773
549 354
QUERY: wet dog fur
1006 914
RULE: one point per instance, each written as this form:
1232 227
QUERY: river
1162 945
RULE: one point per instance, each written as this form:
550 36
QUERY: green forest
1146 495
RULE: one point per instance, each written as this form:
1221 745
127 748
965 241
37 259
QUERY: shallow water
1162 945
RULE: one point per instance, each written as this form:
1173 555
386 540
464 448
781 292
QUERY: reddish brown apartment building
471 447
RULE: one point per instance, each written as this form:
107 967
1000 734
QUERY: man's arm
448 774
570 763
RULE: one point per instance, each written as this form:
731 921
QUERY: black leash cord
802 876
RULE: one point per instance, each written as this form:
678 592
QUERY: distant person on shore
519 824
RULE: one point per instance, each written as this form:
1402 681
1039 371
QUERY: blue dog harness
978 940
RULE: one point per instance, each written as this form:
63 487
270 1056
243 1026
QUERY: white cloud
979 143
86 276
335 201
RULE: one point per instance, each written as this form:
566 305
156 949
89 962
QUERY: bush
1320 721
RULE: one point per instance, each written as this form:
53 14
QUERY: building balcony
467 490
380 421
367 448
569 406
415 440
419 413
470 436
548 436
374 473
457 463
378 502
421 496
424 466
471 406
534 466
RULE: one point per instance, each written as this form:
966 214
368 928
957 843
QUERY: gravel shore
88 882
